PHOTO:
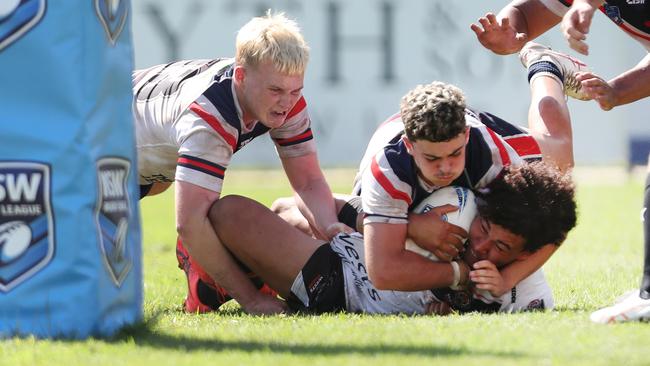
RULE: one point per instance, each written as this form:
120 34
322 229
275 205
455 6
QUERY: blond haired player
192 116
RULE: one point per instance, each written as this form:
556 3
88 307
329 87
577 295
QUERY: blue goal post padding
70 246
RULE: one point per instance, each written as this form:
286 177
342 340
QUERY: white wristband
456 268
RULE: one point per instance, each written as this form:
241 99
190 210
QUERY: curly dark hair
535 201
433 112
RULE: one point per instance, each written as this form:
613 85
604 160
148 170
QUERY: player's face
268 95
494 243
439 163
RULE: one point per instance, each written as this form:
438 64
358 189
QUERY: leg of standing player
644 291
635 304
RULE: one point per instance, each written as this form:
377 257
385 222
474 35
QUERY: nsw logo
112 217
112 15
26 223
17 17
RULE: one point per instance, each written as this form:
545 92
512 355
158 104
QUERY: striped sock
546 68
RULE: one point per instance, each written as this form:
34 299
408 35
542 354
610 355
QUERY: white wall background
430 39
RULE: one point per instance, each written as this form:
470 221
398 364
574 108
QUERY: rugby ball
15 237
461 197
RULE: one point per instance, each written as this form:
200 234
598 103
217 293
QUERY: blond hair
272 38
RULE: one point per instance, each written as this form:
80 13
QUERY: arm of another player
193 225
628 87
576 23
517 23
392 267
313 195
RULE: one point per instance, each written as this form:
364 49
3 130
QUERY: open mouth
279 114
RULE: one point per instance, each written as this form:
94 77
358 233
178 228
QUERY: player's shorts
319 286
144 189
350 211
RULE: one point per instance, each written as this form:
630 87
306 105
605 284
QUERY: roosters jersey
362 297
632 16
388 182
189 123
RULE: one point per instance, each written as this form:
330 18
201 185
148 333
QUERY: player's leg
551 75
286 208
635 304
644 291
153 189
260 239
348 208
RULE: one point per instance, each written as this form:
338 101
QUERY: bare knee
230 211
283 204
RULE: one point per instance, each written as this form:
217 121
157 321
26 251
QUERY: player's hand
438 308
337 228
575 25
487 277
598 89
263 304
500 38
441 238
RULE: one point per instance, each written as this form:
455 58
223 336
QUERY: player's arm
577 21
391 267
313 195
517 23
628 87
193 225
509 276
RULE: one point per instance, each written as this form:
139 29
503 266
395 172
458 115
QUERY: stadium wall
366 54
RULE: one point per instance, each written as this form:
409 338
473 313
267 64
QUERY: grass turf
600 260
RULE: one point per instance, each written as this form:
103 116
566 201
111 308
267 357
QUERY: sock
545 68
645 281
211 297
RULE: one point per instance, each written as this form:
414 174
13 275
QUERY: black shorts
350 211
144 189
319 287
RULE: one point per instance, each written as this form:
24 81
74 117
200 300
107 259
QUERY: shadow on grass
145 335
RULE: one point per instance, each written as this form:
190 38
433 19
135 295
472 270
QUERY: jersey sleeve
206 146
295 138
558 7
532 293
385 197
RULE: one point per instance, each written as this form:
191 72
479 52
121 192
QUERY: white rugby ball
15 237
461 197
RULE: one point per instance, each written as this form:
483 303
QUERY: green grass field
600 260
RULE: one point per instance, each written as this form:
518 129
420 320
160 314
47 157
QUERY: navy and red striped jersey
189 123
388 182
632 16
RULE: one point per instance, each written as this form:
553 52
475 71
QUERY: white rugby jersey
388 182
361 296
632 16
189 123
532 293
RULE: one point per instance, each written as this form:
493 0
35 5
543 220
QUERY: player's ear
240 73
466 134
408 144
